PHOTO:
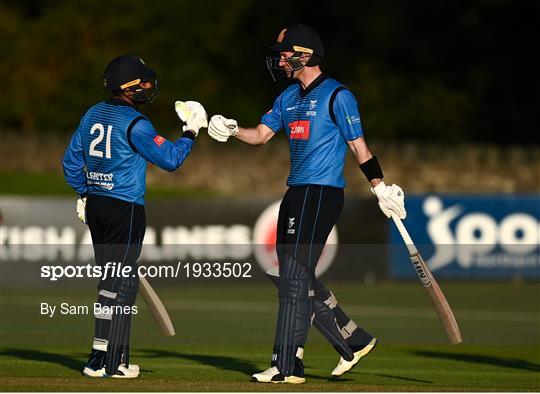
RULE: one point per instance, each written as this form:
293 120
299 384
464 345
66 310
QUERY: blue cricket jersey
318 143
109 151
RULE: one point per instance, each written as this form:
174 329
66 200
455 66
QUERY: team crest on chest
312 106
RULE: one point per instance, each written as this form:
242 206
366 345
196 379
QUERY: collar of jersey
119 101
316 82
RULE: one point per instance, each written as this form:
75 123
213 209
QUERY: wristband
189 134
371 168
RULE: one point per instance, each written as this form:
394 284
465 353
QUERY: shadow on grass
514 363
73 363
401 378
328 378
220 362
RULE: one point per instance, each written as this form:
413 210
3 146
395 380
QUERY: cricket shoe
272 375
122 373
344 365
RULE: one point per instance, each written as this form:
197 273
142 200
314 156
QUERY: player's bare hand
192 114
221 128
391 199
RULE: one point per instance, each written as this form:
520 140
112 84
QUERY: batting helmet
300 39
125 74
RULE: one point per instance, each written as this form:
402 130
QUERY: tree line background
445 71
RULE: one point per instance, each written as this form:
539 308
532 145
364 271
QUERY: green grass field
225 333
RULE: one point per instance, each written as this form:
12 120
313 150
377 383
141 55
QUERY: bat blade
446 316
156 307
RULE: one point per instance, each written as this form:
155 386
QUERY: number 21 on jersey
98 153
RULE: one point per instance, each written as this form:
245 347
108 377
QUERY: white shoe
127 373
133 367
272 375
344 365
100 373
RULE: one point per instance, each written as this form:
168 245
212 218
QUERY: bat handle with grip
404 234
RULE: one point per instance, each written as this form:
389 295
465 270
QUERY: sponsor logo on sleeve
159 140
353 119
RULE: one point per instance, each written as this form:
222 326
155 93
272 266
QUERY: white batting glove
221 128
81 209
192 114
391 199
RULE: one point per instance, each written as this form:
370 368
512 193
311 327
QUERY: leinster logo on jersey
312 106
299 130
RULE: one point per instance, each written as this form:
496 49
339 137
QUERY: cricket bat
446 316
156 307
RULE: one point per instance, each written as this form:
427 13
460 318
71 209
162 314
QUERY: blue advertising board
471 236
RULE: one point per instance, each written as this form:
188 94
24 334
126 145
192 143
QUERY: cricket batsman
105 163
321 119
